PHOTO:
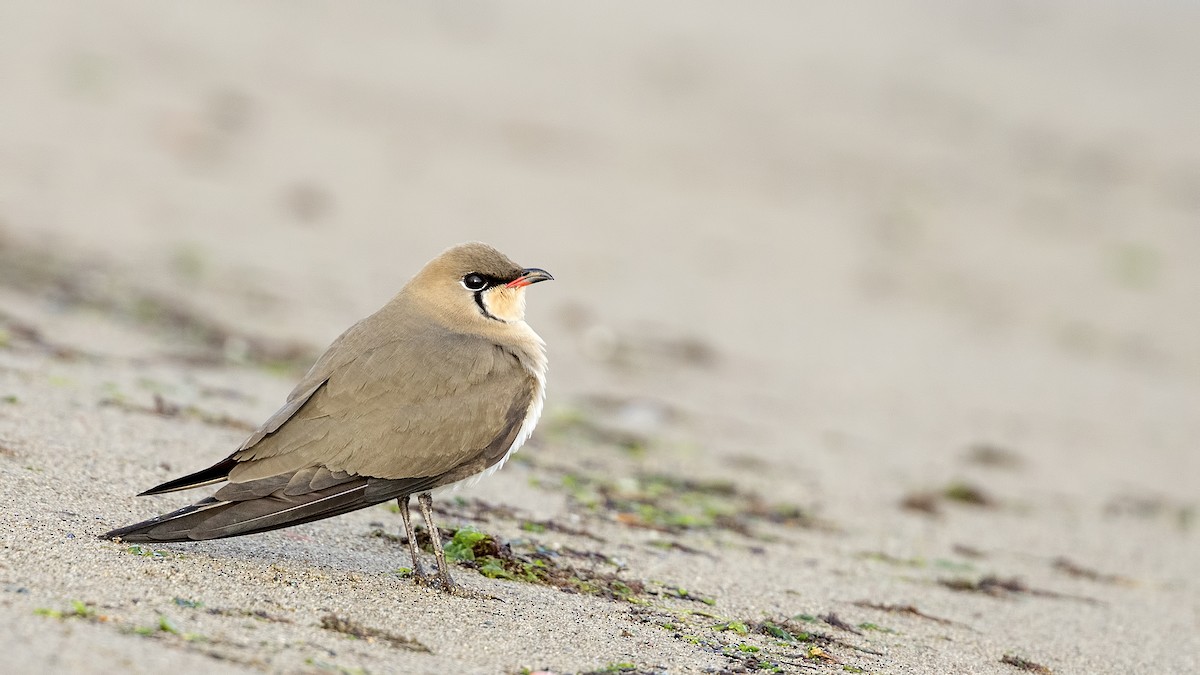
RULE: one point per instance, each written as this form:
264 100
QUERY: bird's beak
529 276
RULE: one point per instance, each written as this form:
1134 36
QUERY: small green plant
748 648
621 590
776 631
738 627
164 625
462 547
685 594
78 609
493 568
147 552
965 493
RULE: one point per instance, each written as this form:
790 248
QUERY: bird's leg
418 572
426 501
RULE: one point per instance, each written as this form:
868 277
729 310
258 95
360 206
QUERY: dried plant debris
17 333
631 424
929 502
1070 568
917 562
969 552
671 545
555 526
768 645
162 408
531 563
679 593
475 510
346 626
988 585
88 285
78 610
1025 664
480 511
163 626
901 609
379 532
922 502
673 504
256 614
836 621
1136 506
993 456
801 633
1151 507
966 493
999 587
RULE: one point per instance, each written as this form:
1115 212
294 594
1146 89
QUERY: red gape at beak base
529 276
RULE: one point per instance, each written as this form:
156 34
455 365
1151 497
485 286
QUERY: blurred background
853 237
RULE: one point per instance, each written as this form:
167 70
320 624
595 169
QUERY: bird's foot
446 583
440 581
418 574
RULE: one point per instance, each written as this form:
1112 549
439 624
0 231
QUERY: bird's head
474 282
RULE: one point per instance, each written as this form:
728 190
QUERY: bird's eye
474 282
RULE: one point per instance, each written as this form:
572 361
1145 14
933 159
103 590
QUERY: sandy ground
873 345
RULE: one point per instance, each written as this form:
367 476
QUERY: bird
437 389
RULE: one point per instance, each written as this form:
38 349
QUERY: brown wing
420 405
348 446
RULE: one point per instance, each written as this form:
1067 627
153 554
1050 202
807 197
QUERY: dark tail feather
276 511
171 526
215 519
213 474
